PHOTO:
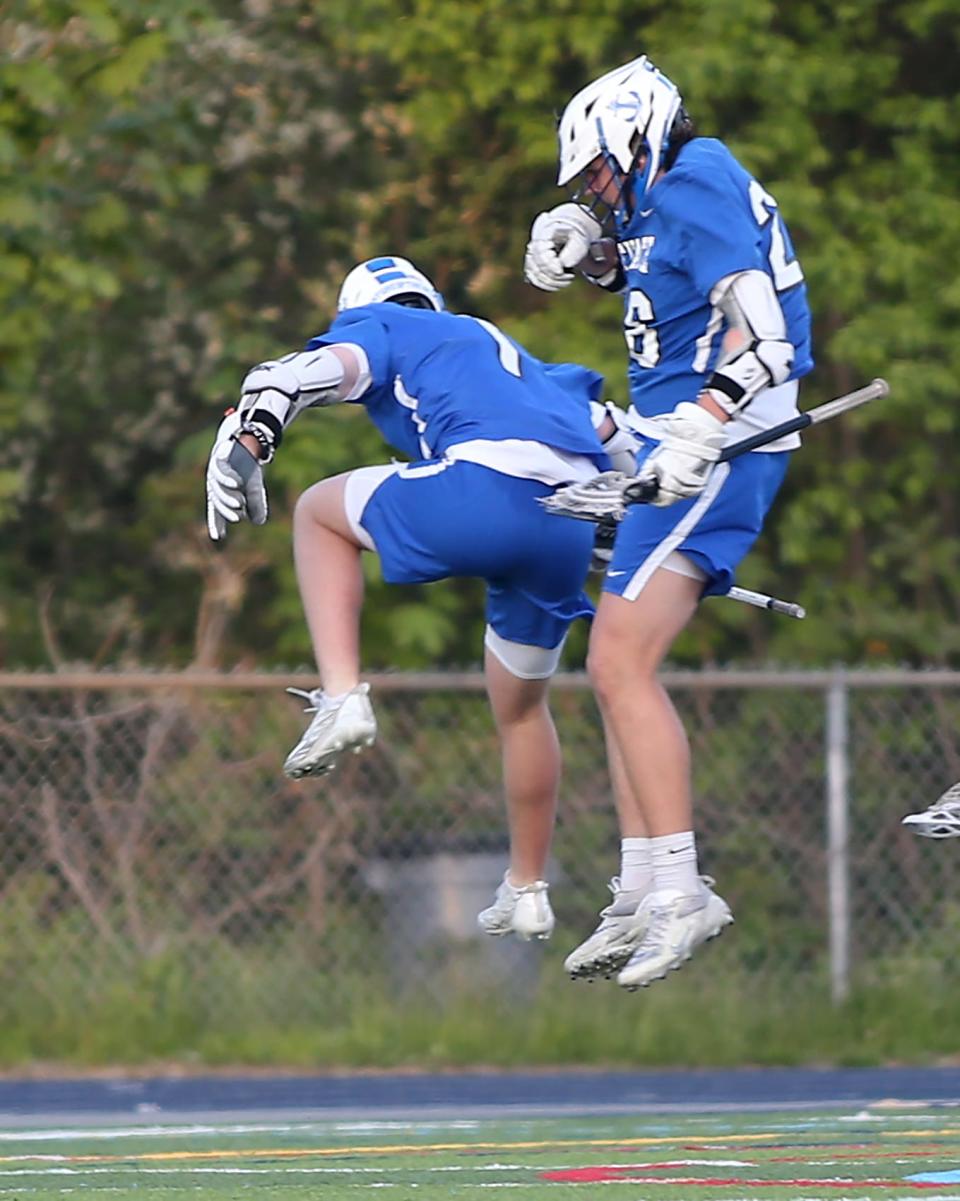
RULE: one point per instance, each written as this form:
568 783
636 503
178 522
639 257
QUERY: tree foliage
182 191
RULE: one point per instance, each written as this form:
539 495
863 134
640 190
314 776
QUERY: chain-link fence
152 843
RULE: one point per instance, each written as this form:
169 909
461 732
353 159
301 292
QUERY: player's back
439 379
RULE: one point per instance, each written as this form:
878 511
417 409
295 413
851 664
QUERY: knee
303 509
314 505
614 670
602 670
519 712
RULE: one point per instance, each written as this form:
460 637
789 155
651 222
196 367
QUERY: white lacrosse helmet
388 278
628 112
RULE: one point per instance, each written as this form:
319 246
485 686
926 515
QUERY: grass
878 1153
900 1016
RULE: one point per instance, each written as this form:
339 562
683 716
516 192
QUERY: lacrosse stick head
941 820
388 278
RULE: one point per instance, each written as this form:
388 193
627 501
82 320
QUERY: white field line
52 1135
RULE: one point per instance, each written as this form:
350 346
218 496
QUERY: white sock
675 862
636 865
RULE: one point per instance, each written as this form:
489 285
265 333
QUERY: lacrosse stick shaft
875 390
762 601
645 490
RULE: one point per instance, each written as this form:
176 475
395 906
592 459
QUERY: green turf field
887 1152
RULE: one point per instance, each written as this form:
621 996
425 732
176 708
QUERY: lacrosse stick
603 553
608 494
762 601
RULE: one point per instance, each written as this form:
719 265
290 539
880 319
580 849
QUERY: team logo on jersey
635 253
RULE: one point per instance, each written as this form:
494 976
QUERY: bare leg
531 767
327 557
627 645
629 813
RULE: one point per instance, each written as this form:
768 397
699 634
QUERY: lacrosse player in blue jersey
718 334
488 429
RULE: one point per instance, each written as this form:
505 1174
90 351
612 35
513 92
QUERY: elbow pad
761 355
275 392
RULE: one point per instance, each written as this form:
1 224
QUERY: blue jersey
703 220
438 380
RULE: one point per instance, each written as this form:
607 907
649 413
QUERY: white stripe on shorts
686 525
360 486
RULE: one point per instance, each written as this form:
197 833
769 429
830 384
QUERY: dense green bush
183 191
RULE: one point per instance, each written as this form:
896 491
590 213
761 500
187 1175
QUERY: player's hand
235 487
559 240
617 437
690 445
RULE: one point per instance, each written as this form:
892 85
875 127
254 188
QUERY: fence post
838 820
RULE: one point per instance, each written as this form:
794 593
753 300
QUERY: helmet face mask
388 278
622 122
605 191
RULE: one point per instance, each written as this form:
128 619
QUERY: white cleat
622 926
677 924
941 820
524 911
347 724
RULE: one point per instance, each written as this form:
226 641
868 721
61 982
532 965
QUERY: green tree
181 194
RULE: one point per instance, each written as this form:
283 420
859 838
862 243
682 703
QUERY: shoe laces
608 916
315 696
519 890
657 926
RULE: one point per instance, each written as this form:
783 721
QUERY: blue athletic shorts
715 530
431 521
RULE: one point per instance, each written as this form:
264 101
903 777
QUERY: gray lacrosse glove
235 487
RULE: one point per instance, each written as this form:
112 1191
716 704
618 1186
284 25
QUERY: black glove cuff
263 436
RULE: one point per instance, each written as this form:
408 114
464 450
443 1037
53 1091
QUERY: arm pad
756 353
274 393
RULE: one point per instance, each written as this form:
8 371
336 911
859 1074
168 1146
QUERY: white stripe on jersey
526 460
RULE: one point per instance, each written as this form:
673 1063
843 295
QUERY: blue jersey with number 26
706 218
438 379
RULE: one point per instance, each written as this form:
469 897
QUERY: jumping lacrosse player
718 333
489 430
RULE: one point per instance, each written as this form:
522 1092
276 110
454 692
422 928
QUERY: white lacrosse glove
235 487
690 444
559 240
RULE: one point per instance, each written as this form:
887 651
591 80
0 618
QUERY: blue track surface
129 1099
